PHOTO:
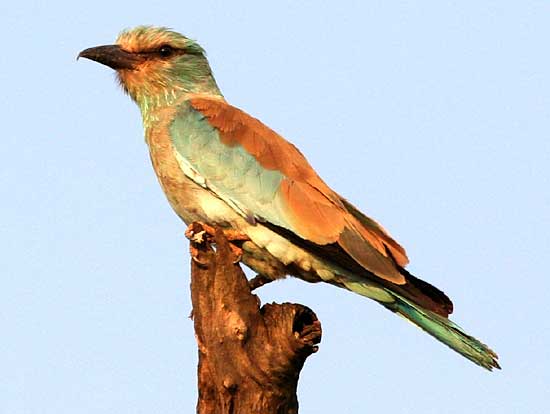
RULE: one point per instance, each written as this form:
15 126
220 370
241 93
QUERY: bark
250 358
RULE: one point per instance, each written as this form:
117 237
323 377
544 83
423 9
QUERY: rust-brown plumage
318 214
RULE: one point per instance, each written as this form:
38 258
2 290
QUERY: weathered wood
250 358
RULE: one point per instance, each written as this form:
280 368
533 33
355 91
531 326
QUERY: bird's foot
230 234
258 281
199 233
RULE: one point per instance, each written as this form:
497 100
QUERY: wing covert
262 175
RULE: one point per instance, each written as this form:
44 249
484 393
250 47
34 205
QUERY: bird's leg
258 281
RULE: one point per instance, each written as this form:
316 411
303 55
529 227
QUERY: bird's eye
166 51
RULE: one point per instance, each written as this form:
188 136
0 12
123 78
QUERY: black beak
112 56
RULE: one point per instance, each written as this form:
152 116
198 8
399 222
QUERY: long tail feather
447 332
439 327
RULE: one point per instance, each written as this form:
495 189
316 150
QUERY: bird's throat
152 92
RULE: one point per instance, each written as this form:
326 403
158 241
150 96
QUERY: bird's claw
237 251
194 253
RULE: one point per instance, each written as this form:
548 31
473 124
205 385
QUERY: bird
220 166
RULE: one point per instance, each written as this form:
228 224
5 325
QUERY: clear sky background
433 117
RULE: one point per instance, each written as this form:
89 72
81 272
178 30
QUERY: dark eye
166 51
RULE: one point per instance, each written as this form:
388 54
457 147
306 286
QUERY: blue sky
434 118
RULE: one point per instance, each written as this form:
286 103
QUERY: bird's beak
113 56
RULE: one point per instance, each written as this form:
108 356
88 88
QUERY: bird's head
156 65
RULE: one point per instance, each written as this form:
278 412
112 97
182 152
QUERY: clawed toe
194 253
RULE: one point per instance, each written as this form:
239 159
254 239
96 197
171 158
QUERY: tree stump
250 358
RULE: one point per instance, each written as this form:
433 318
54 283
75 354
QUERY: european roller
222 167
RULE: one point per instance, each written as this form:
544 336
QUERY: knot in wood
229 384
236 325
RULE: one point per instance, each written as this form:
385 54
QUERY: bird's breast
184 195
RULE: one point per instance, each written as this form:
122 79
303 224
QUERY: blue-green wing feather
229 171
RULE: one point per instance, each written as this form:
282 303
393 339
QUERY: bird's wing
266 178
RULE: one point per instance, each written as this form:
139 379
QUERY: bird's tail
439 327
